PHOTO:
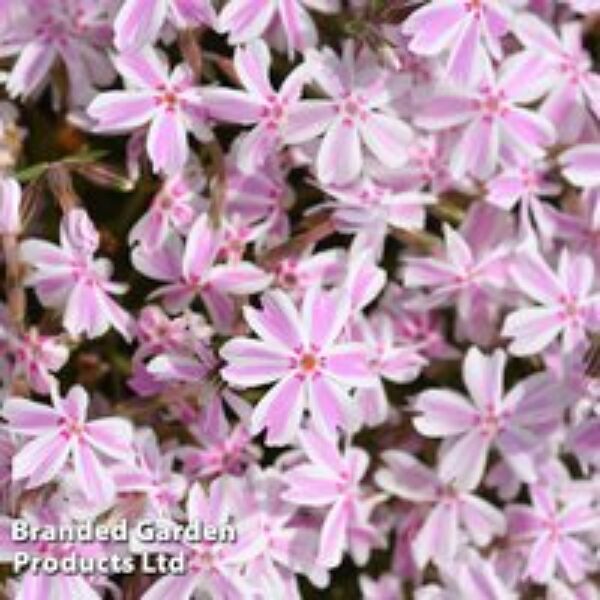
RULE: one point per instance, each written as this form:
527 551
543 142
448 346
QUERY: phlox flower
259 105
191 270
449 509
470 272
392 361
138 22
468 29
171 104
370 208
551 533
524 184
247 20
37 357
492 121
42 32
301 352
61 433
214 567
174 208
68 277
290 543
150 473
568 307
331 479
489 418
354 117
573 88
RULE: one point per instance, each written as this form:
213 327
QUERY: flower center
492 103
308 363
352 108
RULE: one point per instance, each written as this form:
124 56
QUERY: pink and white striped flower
42 32
139 22
68 277
61 434
192 269
247 20
356 116
490 418
449 509
301 352
573 88
331 479
492 121
468 30
260 105
553 534
568 307
171 104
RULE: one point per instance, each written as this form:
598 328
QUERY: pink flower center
492 103
490 422
274 111
167 97
474 6
308 363
352 108
71 428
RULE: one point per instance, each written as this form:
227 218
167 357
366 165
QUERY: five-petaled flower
170 103
61 433
302 352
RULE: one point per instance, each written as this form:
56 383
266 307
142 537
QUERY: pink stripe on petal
201 249
310 486
324 315
138 23
252 64
232 106
278 322
112 436
581 165
25 416
570 554
74 405
533 275
280 410
348 364
484 377
43 456
308 119
444 413
433 27
244 20
542 559
466 57
92 476
533 329
122 111
329 405
387 138
333 535
30 70
340 160
239 278
167 142
464 463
